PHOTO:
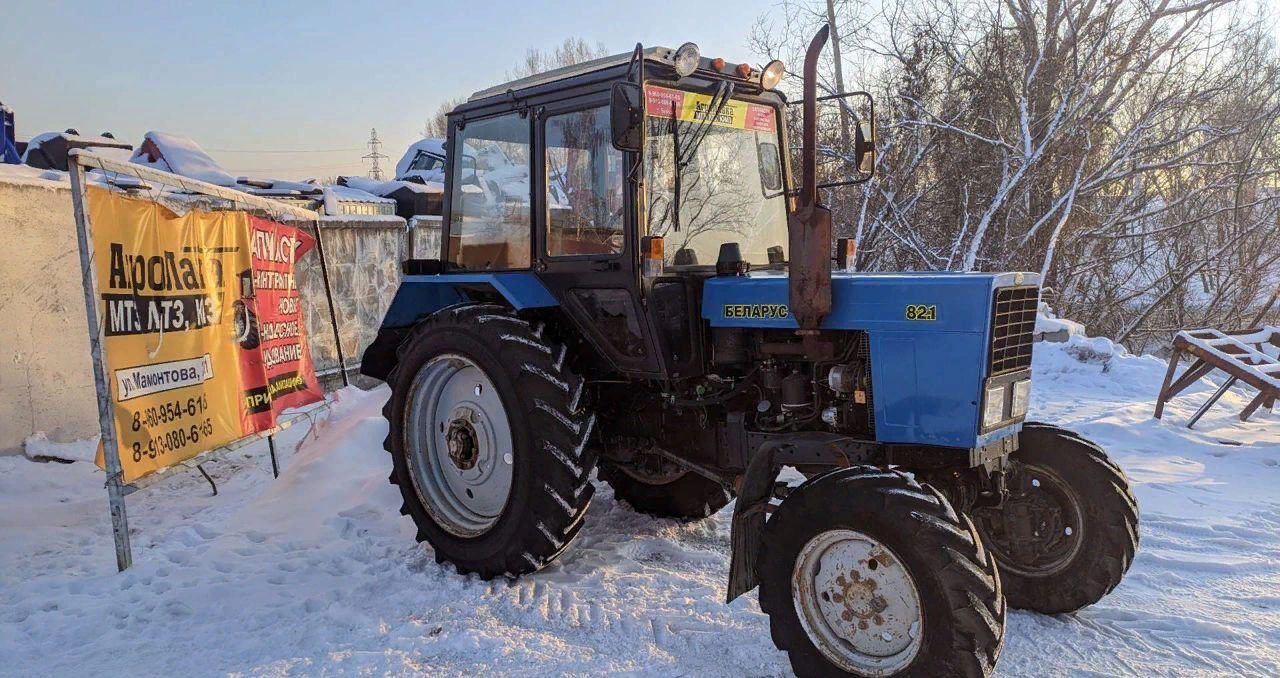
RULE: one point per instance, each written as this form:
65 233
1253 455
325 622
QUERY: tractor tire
1084 521
688 497
865 572
489 441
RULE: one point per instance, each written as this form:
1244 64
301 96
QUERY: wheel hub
858 602
459 444
1038 530
462 442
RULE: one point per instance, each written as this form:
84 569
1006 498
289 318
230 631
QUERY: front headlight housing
993 405
1021 398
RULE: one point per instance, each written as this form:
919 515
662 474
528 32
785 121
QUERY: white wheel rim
858 603
449 394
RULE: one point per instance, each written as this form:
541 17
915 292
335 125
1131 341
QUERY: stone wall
363 258
46 376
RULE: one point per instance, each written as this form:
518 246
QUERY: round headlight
686 59
771 75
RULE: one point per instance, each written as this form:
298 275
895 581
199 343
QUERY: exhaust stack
809 226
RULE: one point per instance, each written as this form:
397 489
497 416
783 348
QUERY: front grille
1013 328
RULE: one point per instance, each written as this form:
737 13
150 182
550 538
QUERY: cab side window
584 185
489 226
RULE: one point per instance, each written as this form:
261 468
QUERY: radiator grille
1013 327
863 353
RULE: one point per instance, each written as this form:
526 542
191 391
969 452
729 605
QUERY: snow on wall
1052 328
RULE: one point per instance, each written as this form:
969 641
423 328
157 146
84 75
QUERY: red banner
279 374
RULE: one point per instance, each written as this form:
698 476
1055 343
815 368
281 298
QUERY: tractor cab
621 185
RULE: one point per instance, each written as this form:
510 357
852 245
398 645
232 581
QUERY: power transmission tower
375 145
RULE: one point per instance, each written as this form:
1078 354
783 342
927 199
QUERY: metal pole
328 295
106 418
275 465
1212 399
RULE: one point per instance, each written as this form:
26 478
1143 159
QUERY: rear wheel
489 441
1067 533
864 572
657 486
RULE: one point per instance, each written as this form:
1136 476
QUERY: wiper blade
683 156
718 101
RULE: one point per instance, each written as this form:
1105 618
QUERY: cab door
585 232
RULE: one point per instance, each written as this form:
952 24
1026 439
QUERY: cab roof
660 55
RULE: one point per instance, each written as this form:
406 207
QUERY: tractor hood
930 339
937 302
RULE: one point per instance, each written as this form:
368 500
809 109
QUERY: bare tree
437 126
1123 149
571 51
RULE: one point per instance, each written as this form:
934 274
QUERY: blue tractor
653 298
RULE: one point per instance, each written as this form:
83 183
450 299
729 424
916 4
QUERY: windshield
714 175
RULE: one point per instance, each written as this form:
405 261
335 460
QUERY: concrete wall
46 378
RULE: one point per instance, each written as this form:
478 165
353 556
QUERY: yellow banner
166 287
664 102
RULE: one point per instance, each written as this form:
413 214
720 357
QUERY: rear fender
421 296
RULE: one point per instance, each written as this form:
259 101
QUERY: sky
291 89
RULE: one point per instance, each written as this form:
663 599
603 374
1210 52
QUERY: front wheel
865 572
1067 533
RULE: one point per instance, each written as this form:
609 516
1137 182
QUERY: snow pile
1049 325
317 573
180 155
39 448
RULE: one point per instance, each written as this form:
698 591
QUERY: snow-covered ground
316 573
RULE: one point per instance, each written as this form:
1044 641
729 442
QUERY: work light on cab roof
771 75
686 60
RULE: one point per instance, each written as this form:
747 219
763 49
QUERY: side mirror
626 115
846 139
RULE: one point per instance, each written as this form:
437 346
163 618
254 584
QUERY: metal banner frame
80 161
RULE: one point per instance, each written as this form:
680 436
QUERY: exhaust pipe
809 226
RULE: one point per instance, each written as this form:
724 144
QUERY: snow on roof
180 155
432 146
36 142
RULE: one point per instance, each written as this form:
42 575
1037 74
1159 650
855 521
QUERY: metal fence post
328 295
106 417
